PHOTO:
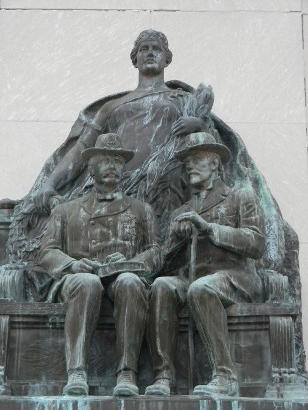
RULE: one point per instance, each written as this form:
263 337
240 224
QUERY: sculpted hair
151 35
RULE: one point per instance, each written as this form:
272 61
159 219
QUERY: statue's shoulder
68 206
135 202
138 205
243 193
90 110
102 103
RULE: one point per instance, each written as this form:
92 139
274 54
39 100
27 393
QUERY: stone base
146 403
294 391
32 359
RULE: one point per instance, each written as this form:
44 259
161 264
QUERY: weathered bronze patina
228 255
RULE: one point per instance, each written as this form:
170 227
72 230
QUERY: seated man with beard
229 228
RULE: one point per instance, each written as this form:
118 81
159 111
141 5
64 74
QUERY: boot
161 387
220 385
126 384
77 384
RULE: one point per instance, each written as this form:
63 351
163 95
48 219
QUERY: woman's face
151 57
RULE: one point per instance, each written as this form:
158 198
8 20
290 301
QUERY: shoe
126 384
220 385
77 384
161 387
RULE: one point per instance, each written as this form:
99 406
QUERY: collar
95 209
108 197
212 196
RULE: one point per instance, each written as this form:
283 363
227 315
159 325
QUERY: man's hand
84 265
181 229
187 125
41 199
115 257
194 219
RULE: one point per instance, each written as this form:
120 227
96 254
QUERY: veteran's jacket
87 228
237 238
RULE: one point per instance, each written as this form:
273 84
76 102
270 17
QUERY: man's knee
87 283
199 290
162 285
130 282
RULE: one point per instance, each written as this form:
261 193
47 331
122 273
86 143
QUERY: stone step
145 403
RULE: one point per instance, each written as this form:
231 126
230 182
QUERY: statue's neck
105 189
151 82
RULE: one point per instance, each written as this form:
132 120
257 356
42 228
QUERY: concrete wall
56 56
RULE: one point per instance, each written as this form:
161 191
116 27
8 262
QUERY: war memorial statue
154 202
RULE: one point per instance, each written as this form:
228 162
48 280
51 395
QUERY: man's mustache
111 172
193 172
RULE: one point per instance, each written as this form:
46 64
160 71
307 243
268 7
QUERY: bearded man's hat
202 141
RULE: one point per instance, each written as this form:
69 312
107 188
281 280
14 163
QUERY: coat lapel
218 194
87 203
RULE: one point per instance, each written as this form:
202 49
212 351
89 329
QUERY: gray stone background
59 55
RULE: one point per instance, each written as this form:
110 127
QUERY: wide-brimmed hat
108 144
204 142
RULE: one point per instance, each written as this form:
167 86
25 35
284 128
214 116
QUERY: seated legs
129 294
207 298
83 293
210 317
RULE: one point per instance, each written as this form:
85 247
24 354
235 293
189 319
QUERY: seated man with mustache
105 228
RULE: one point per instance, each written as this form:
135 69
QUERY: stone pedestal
32 333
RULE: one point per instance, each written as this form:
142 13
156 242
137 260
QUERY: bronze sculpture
152 120
147 120
107 227
164 110
229 226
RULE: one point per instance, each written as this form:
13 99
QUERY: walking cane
191 277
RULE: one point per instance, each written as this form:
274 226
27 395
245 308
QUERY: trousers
83 293
207 298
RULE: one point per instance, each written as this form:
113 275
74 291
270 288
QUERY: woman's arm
71 165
